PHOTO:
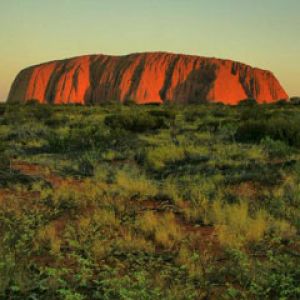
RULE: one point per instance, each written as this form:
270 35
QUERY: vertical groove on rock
168 78
135 80
52 84
95 76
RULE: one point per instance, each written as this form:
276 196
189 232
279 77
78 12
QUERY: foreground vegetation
152 202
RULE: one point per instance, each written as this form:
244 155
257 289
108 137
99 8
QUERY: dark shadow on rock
19 87
62 68
197 85
108 91
168 77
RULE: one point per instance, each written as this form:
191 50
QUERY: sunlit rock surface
145 78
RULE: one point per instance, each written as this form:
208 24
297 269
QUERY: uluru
145 78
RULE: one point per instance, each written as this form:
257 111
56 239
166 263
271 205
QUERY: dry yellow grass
132 241
234 225
197 212
135 186
48 237
105 217
100 249
163 228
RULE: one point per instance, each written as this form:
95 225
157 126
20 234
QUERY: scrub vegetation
149 202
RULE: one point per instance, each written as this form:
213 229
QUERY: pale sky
262 33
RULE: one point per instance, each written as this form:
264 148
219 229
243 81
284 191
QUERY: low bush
248 102
278 279
27 132
251 131
86 163
136 121
253 113
66 139
276 149
192 116
168 114
42 112
277 128
4 158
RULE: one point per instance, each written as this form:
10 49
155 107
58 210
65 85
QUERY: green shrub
80 138
4 159
42 112
248 102
277 128
192 116
253 113
251 131
29 131
276 149
57 142
86 163
135 121
278 278
168 114
57 120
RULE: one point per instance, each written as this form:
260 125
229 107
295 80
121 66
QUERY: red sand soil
40 171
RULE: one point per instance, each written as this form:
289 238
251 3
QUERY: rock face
145 78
